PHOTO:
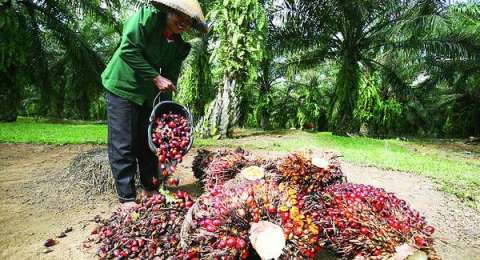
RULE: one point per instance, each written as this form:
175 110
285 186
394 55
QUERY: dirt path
31 210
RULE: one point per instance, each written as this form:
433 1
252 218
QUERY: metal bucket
166 107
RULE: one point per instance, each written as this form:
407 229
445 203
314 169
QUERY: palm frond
102 13
39 58
306 59
78 50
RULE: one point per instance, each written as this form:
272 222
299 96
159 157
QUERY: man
147 62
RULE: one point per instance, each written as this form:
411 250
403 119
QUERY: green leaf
241 19
134 215
235 38
169 197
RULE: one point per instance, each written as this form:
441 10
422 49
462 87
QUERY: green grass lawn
27 130
452 170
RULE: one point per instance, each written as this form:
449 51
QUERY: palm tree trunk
60 100
83 105
346 92
264 112
265 101
10 95
225 111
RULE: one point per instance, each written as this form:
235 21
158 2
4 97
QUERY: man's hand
164 84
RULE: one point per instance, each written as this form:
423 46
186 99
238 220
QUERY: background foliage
383 69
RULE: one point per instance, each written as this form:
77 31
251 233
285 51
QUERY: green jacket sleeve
132 47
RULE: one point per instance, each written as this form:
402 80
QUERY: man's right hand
164 84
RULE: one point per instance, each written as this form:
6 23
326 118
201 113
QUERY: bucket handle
157 98
154 104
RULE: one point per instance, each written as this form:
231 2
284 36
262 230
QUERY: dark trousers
128 145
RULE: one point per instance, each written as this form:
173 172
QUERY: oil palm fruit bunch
361 221
218 227
201 161
310 172
297 221
226 220
224 166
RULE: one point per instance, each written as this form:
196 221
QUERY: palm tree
358 35
237 37
458 102
43 37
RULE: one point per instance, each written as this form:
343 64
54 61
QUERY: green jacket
143 52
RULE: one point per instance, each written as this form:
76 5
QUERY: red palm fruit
364 230
154 222
430 230
222 244
174 152
298 231
191 254
178 157
165 173
179 195
155 182
420 241
231 242
216 222
49 242
285 216
162 158
108 232
272 209
250 200
211 228
173 181
240 244
405 228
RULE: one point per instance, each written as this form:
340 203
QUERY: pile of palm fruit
290 207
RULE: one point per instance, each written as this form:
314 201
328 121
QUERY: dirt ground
34 207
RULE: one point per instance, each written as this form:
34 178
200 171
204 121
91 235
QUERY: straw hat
189 7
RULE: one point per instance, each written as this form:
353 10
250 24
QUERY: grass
444 163
27 130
